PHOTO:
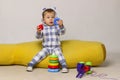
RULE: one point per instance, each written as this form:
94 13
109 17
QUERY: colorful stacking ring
53 64
53 58
53 61
53 70
53 67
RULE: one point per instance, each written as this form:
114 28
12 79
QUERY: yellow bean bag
73 50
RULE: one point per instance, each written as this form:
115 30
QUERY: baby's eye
52 17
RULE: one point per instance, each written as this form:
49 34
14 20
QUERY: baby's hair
49 10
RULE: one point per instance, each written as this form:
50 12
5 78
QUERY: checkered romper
51 44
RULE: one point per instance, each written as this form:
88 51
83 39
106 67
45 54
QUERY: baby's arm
39 32
62 28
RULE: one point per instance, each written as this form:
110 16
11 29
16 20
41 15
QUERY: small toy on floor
83 68
53 63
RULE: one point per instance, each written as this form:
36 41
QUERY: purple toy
83 68
80 70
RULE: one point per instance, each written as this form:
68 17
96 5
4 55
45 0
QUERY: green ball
88 63
81 62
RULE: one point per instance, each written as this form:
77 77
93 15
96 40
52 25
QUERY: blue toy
80 70
56 20
83 68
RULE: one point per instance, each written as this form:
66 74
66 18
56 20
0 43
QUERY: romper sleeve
39 35
62 30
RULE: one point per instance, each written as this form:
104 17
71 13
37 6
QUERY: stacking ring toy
53 58
53 64
53 70
53 61
53 67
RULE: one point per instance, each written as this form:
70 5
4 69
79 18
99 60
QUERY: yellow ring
55 64
53 58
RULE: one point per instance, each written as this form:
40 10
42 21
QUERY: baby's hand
38 30
60 23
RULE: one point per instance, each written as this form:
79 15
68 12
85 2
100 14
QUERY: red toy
83 68
40 27
86 68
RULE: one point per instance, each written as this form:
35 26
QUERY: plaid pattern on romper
51 44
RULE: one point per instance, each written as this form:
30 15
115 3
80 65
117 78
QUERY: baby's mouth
51 22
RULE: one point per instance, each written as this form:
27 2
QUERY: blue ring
53 70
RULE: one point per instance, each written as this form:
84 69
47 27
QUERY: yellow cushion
74 51
6 54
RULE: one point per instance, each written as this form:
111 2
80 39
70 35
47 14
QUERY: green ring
54 56
53 61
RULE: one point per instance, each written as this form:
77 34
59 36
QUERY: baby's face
49 18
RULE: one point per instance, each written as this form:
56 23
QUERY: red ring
53 67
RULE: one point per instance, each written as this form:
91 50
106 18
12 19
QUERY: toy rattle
83 68
80 69
56 20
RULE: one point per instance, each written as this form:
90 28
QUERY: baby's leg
62 61
41 55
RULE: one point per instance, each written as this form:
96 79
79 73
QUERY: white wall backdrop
90 20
